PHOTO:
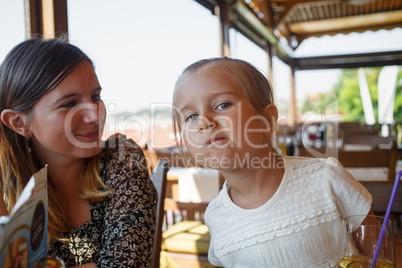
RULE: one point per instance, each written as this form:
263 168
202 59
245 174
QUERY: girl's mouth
214 140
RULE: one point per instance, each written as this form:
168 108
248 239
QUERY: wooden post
223 11
270 52
293 107
47 18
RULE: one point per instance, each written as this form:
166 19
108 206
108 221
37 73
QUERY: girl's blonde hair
30 70
255 86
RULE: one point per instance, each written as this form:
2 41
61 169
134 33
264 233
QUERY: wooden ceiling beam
267 12
208 4
349 61
347 23
283 7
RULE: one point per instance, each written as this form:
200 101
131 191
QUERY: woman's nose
91 114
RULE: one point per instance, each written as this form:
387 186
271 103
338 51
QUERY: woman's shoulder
120 141
119 152
119 147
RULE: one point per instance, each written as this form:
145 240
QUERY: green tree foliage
347 92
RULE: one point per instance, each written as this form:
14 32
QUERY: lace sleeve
211 250
350 196
130 212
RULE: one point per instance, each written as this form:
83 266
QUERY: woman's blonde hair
255 86
30 70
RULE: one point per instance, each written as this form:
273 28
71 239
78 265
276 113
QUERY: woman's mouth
90 135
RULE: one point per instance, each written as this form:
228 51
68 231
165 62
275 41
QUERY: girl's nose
205 124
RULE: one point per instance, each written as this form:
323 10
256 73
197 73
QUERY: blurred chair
171 155
373 158
368 140
381 193
185 241
364 147
191 211
159 177
357 128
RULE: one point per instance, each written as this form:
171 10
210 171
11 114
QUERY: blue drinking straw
384 224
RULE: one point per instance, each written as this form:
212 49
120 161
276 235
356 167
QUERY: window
12 29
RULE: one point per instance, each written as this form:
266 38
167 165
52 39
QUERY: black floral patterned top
121 231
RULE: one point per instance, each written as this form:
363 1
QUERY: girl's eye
223 106
191 117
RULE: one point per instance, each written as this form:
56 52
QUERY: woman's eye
96 97
191 117
223 106
69 104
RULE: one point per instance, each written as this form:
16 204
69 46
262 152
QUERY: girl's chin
217 162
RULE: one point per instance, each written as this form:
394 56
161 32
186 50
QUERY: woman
102 203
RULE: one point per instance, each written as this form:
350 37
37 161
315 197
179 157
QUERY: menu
23 233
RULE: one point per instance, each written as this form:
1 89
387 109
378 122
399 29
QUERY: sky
139 49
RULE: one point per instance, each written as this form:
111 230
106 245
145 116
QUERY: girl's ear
15 121
271 114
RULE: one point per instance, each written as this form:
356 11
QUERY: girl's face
68 121
220 127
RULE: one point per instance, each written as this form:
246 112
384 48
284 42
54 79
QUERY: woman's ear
15 121
271 114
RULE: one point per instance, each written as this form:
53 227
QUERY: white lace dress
297 227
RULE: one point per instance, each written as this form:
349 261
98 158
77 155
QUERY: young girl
102 203
273 210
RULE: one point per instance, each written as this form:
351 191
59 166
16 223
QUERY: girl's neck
253 187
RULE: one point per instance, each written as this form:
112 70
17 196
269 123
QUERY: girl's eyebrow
213 95
185 107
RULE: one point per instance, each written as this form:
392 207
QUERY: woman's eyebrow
75 94
66 97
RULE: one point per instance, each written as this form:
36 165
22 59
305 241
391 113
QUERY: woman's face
68 121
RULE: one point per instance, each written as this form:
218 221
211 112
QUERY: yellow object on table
187 237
